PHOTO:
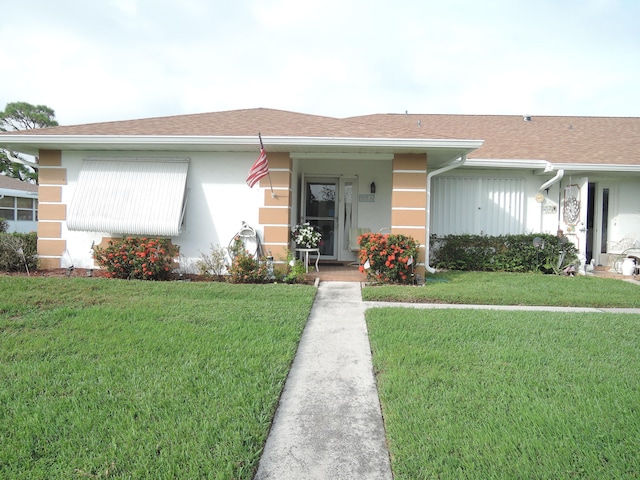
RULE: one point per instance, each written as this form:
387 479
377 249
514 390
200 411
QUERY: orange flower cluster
137 258
389 258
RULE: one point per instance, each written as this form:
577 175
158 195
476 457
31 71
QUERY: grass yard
127 379
493 288
484 394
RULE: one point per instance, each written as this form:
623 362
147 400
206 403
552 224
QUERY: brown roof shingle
589 140
248 122
15 184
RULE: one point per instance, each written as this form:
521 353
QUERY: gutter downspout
13 159
555 179
545 186
427 247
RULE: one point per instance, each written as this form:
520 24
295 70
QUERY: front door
320 209
575 203
330 203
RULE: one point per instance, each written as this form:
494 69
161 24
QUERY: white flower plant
306 236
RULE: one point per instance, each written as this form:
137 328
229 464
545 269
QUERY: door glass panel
326 228
605 220
347 214
321 200
320 211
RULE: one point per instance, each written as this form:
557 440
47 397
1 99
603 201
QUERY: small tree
23 116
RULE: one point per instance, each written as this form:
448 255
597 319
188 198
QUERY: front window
18 208
7 208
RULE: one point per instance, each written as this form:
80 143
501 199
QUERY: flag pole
273 195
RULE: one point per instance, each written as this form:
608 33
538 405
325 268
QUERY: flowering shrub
137 258
388 258
306 235
245 268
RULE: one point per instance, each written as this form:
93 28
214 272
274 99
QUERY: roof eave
511 163
544 166
32 143
598 168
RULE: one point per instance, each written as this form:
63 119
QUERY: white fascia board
528 164
149 141
542 167
392 143
340 156
9 192
598 167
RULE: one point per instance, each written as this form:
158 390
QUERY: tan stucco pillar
409 198
276 210
51 211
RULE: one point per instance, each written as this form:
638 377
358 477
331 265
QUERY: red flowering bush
137 258
388 258
245 268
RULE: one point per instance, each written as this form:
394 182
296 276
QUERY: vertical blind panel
129 197
490 206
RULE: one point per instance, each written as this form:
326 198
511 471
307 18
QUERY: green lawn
127 379
483 394
482 288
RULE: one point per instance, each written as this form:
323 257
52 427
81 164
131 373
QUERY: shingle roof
249 122
588 140
15 184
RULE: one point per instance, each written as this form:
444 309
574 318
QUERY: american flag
259 169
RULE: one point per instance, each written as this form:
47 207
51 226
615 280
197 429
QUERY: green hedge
503 253
18 249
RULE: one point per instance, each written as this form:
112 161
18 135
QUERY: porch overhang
439 151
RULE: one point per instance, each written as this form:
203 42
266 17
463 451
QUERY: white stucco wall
218 201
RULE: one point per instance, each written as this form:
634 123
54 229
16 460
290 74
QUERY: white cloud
140 58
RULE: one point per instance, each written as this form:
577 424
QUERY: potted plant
306 236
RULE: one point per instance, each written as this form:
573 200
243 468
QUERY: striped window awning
130 196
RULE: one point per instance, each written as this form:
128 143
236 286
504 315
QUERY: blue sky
124 59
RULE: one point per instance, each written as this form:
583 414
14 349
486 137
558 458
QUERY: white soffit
130 196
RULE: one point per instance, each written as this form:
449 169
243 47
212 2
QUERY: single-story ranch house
184 177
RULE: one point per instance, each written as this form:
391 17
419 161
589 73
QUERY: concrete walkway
515 308
328 424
